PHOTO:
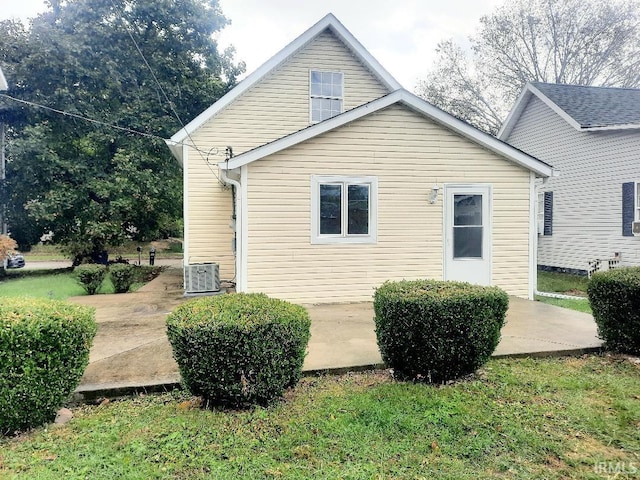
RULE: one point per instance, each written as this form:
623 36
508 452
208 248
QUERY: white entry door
467 235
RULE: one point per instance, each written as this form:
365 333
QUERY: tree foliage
90 184
580 42
7 246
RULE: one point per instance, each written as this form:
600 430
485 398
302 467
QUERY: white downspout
237 224
533 236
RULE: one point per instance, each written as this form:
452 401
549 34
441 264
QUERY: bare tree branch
584 42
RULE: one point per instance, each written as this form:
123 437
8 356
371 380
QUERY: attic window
325 94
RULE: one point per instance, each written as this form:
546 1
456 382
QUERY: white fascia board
514 113
177 149
521 103
478 136
3 82
626 126
310 132
564 115
329 21
411 101
363 54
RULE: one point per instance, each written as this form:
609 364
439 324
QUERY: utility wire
80 117
164 94
97 122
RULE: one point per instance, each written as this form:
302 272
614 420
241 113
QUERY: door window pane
467 226
467 210
467 242
330 209
358 209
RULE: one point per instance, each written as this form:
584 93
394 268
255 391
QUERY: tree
580 42
93 185
7 246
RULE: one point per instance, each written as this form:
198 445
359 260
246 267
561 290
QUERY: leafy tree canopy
91 185
580 42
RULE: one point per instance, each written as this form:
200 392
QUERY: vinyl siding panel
408 154
275 107
587 196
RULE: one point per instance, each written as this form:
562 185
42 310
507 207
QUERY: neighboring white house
591 135
318 177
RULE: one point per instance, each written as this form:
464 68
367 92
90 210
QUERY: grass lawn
61 284
579 305
517 418
564 283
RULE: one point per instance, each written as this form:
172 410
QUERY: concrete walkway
131 350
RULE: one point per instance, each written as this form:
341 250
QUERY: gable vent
202 278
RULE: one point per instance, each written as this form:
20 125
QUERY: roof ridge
585 86
329 21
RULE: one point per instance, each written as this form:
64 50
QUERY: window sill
368 240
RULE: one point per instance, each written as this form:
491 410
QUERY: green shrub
615 300
436 331
90 276
44 349
122 276
146 273
240 348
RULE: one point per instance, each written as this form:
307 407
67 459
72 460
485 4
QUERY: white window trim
316 238
311 97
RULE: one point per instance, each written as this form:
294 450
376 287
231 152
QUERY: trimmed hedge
239 349
122 276
44 349
615 301
434 331
90 276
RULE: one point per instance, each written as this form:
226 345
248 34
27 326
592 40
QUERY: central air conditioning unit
201 278
635 227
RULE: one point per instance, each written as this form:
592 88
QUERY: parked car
15 260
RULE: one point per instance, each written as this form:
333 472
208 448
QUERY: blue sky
401 34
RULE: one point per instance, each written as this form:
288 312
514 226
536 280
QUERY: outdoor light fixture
434 194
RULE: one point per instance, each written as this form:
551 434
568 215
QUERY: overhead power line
97 122
80 117
162 90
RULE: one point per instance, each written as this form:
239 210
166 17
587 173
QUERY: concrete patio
131 350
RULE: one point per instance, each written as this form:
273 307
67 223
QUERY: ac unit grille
202 278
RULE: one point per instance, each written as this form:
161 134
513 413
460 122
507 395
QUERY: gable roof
410 101
328 22
585 108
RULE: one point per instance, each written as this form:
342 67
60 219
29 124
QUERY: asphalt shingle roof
595 106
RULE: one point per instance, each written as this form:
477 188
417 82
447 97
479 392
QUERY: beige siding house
318 178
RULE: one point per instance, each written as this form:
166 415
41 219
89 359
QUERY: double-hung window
545 213
344 209
637 202
326 90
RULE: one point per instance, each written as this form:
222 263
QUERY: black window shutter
548 213
627 208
